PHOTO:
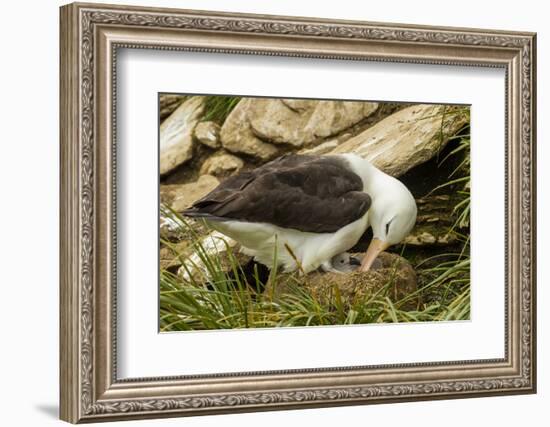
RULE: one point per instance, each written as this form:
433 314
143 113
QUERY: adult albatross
299 211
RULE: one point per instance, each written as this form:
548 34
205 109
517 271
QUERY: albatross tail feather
195 213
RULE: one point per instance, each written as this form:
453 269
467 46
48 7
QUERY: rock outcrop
176 134
257 126
168 104
237 136
221 164
406 138
181 196
213 246
434 222
170 226
303 122
208 133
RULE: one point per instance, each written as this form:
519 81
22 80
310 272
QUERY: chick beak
354 261
376 246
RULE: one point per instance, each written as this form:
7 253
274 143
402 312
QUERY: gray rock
325 148
168 103
221 164
257 125
237 136
425 238
181 196
406 138
176 134
176 238
214 245
170 226
434 222
208 133
304 122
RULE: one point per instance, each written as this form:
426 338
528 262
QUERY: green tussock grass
218 107
454 272
220 298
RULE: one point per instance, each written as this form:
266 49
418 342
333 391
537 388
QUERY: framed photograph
267 212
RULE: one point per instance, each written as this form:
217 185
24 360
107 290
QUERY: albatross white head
392 214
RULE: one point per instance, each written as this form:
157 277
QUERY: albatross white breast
298 212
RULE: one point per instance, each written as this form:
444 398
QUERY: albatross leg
327 267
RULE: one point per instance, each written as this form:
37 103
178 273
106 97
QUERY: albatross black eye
388 226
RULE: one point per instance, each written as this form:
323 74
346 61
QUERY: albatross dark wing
307 193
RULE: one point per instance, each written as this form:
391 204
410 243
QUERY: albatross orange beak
376 246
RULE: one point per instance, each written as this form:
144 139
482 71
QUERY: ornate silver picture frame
91 36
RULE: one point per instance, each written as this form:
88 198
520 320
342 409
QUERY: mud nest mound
391 276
